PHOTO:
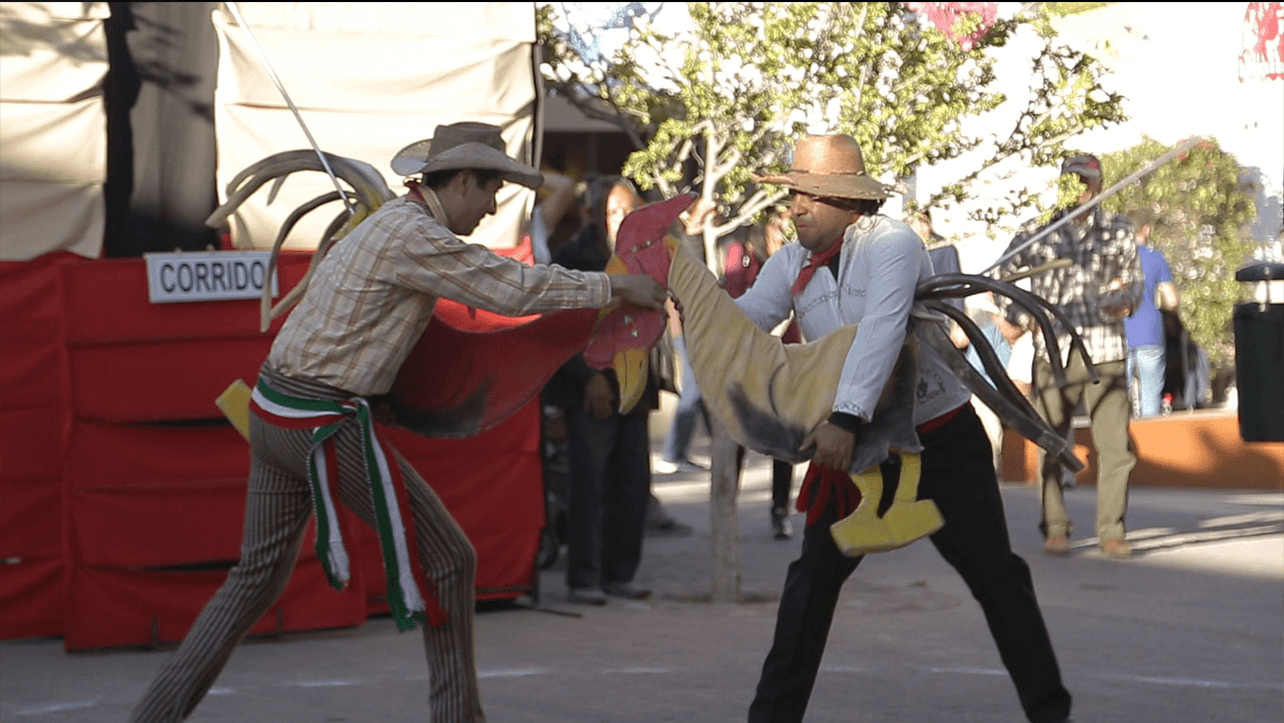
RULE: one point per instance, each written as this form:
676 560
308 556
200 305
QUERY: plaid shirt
1104 252
372 296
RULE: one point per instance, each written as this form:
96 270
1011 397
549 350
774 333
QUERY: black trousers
958 474
610 487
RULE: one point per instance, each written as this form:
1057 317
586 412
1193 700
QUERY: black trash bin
1259 358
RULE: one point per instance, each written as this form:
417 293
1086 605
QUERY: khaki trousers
1108 407
277 511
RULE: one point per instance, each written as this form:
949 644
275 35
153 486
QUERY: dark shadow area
20 35
159 97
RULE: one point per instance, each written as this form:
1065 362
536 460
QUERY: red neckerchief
835 485
815 262
414 191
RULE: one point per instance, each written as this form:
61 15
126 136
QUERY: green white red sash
387 489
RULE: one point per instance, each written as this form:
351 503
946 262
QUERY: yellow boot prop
908 519
864 531
235 405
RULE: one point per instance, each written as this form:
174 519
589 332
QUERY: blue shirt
1002 348
1146 326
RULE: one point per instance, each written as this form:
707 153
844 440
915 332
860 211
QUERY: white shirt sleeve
893 262
539 237
1021 362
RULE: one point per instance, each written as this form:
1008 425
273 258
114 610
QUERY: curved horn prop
959 285
368 187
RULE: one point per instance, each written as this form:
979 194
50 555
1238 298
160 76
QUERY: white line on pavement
55 707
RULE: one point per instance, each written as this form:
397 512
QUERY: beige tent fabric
368 78
53 128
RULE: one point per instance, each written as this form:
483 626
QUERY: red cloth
835 484
840 486
815 261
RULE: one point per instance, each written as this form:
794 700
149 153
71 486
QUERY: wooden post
723 508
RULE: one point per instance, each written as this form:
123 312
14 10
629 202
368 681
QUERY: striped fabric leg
451 564
277 510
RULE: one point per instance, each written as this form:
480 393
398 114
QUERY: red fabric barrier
30 519
141 496
107 455
121 606
132 361
31 564
30 442
493 486
29 376
29 301
160 380
95 293
32 603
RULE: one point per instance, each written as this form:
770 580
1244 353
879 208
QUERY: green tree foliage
1204 208
709 107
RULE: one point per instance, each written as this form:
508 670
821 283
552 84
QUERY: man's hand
700 212
1117 311
638 289
834 446
599 401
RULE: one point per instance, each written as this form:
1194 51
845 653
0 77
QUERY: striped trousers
277 510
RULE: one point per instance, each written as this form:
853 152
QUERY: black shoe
780 523
626 590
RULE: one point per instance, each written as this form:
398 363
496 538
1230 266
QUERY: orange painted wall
1194 450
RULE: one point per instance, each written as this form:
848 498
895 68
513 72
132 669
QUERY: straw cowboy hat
467 145
829 167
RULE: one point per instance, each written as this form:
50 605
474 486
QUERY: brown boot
1056 545
1118 549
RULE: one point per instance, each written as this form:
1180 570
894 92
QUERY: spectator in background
1147 347
559 197
676 456
609 453
921 222
746 253
1096 292
1001 335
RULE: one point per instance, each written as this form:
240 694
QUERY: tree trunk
724 511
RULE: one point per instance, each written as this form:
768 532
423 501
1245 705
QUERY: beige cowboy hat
829 167
464 145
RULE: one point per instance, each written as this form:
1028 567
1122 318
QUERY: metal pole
267 65
1190 143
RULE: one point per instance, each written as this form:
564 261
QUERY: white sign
207 276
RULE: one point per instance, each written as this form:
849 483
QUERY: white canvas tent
367 78
53 134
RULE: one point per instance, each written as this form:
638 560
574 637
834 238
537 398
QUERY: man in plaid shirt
1097 292
313 445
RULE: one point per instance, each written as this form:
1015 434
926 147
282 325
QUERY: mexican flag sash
388 493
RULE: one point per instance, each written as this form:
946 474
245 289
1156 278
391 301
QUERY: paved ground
1192 630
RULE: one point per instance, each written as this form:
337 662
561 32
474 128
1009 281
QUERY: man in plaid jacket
1097 292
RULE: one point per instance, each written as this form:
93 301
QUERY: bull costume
874 395
313 442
